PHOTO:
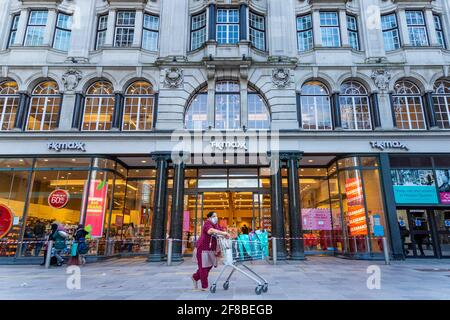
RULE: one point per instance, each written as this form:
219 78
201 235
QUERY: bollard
274 250
49 254
367 244
386 251
169 252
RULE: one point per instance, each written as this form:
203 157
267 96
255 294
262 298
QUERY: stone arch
126 81
34 80
93 77
321 77
414 77
359 77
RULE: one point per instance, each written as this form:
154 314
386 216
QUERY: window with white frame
9 103
98 107
408 108
354 106
198 30
228 105
102 26
417 29
13 30
439 30
227 26
62 32
352 29
45 106
34 35
258 116
304 33
315 106
196 116
391 35
125 21
138 107
257 26
150 32
441 103
329 29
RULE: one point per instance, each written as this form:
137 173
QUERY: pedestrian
80 247
206 250
129 236
27 237
59 237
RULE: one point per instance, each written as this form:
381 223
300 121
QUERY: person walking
80 246
59 239
206 250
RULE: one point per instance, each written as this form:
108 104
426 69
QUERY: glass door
421 245
442 222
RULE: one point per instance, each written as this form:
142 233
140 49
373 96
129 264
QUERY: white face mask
214 220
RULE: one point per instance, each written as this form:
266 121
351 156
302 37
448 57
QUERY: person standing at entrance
206 249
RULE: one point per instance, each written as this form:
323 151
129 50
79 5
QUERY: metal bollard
274 250
49 254
386 251
169 252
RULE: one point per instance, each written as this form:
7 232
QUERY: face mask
214 220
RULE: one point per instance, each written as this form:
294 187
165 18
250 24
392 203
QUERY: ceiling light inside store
144 161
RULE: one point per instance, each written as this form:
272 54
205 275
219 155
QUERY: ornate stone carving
173 78
71 79
281 77
381 78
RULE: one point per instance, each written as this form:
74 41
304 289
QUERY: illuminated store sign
383 145
228 145
67 146
58 199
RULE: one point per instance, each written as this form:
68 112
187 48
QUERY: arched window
9 103
98 107
441 102
315 106
408 109
44 107
354 106
196 117
258 113
138 107
228 105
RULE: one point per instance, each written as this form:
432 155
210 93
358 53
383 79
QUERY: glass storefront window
348 162
16 163
103 164
312 172
141 173
63 162
13 192
410 162
41 214
375 211
369 162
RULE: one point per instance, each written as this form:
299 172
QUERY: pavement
316 278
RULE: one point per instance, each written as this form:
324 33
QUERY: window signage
67 146
443 182
414 186
383 145
6 220
58 199
316 219
356 210
96 207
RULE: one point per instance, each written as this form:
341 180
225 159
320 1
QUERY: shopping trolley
235 253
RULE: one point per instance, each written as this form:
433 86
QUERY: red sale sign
96 206
6 220
58 199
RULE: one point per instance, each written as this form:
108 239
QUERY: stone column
118 111
401 16
295 221
277 208
429 110
50 28
138 24
343 29
174 28
371 29
212 22
109 38
67 111
211 102
316 28
177 209
21 28
22 111
431 28
83 30
243 21
281 21
158 233
244 103
336 111
391 209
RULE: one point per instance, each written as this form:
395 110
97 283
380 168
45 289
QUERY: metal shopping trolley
235 253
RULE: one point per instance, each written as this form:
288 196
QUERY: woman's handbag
74 249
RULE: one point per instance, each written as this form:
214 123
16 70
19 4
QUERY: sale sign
58 199
96 206
316 219
356 212
6 220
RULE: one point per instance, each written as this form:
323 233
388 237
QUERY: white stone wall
29 65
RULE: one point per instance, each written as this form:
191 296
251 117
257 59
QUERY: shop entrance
425 232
